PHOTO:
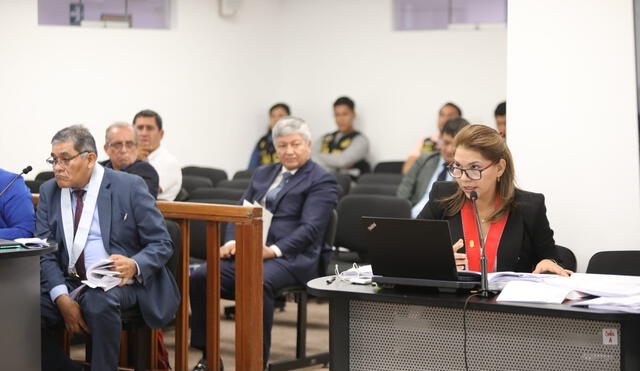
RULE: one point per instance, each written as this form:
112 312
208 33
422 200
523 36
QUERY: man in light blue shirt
430 167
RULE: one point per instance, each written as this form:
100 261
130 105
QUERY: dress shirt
169 172
417 208
275 183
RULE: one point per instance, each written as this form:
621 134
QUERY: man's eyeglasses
63 161
118 145
473 174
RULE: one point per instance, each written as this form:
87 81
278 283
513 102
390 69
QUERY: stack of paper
358 275
266 218
598 284
532 292
498 280
32 242
101 275
629 304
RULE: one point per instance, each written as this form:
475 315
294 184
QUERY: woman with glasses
514 222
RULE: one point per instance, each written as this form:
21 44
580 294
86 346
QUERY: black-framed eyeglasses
118 145
473 174
63 161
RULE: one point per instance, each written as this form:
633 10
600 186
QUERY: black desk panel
418 329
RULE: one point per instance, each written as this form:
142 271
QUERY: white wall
573 124
398 80
213 79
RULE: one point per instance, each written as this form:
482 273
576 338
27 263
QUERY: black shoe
202 365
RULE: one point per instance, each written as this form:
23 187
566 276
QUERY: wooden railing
248 294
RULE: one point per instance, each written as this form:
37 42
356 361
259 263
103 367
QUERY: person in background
301 195
344 150
501 118
447 112
121 145
148 124
264 151
17 217
513 222
429 168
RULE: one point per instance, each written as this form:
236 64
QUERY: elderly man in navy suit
301 195
95 213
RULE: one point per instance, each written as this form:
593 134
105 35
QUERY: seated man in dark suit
301 195
121 145
429 168
94 213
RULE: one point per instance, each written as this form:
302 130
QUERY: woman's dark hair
345 101
149 113
284 106
454 106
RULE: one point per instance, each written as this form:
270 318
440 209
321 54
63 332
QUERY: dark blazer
301 212
141 235
144 170
526 239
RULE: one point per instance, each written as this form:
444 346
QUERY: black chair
198 231
351 208
44 176
234 183
623 262
215 175
243 174
391 167
232 194
380 178
182 196
344 184
192 182
566 258
33 185
374 189
301 297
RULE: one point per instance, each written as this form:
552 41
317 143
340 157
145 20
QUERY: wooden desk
375 329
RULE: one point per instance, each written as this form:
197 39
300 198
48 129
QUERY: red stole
472 242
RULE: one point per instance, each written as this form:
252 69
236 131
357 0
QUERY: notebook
414 252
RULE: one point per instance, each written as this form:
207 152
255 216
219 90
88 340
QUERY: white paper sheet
267 216
532 292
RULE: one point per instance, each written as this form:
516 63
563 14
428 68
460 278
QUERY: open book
99 275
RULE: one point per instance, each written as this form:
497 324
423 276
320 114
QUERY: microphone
24 171
484 280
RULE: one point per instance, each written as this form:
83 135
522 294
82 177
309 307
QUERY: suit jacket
142 236
415 183
526 239
144 170
301 212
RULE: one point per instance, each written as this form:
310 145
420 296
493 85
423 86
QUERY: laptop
414 252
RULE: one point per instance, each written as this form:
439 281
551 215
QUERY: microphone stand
24 171
484 280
